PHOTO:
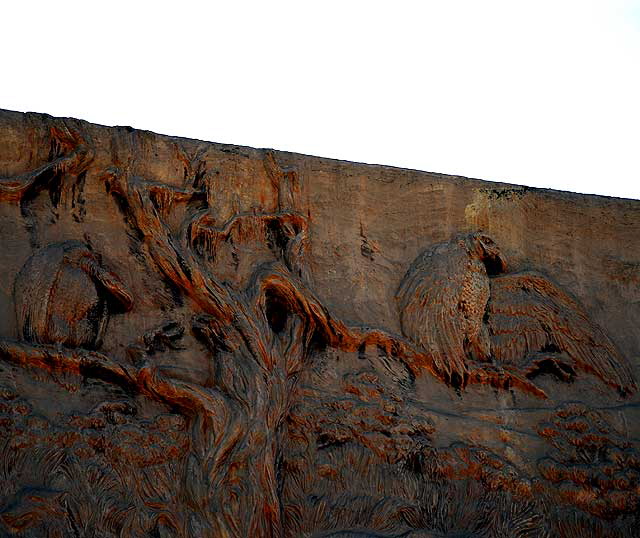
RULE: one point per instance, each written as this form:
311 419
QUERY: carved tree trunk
257 360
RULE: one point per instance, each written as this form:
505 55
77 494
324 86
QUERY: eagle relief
204 340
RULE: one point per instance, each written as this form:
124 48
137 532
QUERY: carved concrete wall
208 340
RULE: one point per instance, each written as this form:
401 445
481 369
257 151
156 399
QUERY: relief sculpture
180 364
63 295
459 301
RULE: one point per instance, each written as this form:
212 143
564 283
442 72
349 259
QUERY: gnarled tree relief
190 348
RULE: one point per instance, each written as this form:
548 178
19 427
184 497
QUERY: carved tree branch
77 159
256 358
186 397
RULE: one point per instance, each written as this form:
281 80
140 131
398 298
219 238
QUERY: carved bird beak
493 259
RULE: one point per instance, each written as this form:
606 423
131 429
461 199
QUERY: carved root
190 399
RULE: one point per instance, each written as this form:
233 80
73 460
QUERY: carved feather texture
451 307
527 313
61 296
442 302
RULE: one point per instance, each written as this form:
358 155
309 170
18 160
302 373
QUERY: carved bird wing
33 292
442 301
528 314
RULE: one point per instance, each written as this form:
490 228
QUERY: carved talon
501 378
550 364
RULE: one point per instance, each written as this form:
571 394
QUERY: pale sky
541 93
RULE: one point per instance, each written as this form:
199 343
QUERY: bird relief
459 302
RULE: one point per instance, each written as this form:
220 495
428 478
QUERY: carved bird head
485 248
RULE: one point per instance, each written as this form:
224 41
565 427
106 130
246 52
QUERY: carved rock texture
199 339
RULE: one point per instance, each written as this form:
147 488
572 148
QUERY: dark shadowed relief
210 340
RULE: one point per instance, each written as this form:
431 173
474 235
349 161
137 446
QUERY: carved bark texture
210 340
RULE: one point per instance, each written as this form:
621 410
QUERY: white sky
542 93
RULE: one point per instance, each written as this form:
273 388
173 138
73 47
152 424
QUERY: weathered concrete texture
199 339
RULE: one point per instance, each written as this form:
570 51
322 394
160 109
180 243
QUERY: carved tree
465 320
259 338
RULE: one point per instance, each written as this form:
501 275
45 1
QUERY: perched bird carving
458 303
443 299
63 295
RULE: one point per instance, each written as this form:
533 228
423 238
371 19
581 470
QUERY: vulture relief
63 295
459 303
